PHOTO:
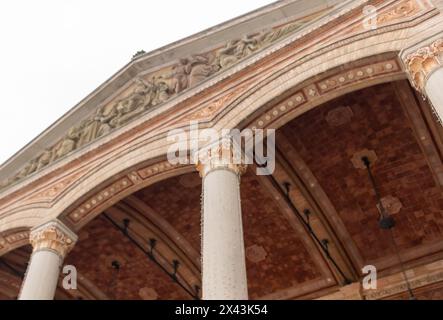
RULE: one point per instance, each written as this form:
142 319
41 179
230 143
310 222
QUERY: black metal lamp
386 221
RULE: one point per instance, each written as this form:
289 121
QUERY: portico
97 191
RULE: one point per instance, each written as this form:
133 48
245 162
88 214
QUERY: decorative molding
423 62
402 287
155 169
155 90
112 190
403 9
131 180
162 85
215 106
351 291
392 285
397 14
16 237
48 194
53 235
325 87
311 92
358 74
13 239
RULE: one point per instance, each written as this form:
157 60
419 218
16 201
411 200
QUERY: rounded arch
316 91
298 68
139 172
116 188
97 187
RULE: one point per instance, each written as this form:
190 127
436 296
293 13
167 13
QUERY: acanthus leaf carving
53 236
423 62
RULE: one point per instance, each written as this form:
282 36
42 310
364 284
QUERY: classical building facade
354 90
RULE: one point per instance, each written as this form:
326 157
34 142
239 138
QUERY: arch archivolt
314 92
104 197
305 75
13 239
90 195
265 91
106 193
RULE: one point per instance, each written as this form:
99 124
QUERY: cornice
145 63
229 73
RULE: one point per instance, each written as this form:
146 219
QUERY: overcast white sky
53 53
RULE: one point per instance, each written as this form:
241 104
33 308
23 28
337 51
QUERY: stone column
425 68
51 242
223 251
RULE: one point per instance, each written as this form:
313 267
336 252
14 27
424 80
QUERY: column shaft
223 251
42 276
51 242
224 268
434 91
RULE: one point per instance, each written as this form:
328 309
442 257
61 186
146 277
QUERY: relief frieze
150 91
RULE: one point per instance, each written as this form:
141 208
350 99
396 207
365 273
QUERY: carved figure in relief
44 159
237 49
8 182
106 123
162 91
186 73
201 67
87 131
136 103
192 70
68 144
179 76
246 46
227 56
27 170
241 48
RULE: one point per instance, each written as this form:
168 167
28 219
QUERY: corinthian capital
53 235
222 154
423 62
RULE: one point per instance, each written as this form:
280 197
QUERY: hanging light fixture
387 222
125 230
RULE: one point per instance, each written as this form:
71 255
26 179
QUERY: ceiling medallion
391 204
339 116
256 253
359 155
